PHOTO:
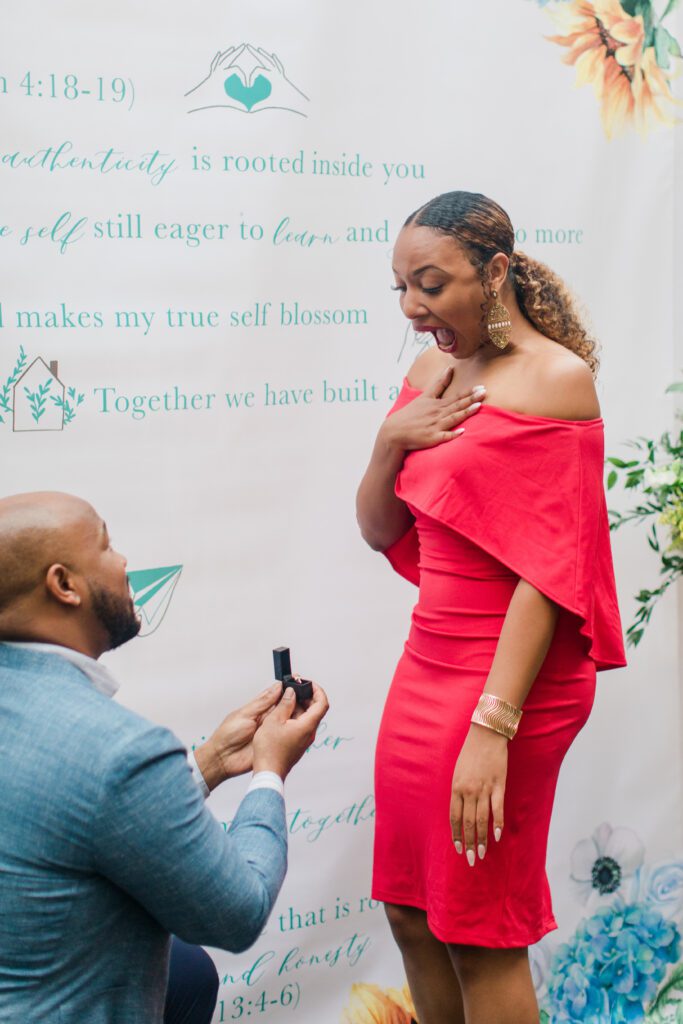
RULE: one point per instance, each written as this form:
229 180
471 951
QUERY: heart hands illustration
248 79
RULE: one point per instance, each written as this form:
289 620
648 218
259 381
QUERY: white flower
540 961
600 865
660 476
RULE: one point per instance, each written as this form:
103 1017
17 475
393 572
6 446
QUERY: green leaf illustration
612 479
673 44
665 46
667 1007
37 399
671 6
69 410
6 390
662 47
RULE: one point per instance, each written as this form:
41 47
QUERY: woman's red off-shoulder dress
515 497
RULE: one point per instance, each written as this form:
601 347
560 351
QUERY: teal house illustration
38 398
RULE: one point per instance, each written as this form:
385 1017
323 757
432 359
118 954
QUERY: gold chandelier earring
498 322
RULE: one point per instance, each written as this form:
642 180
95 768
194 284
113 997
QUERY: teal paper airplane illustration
152 593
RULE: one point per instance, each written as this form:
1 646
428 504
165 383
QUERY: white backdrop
265 202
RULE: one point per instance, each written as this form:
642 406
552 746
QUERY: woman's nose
412 306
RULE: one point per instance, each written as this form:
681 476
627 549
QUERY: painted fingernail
474 407
497 833
458 846
457 433
471 858
481 850
479 390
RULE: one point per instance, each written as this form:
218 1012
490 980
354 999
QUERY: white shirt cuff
197 775
267 780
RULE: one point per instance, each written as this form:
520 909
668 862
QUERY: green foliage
666 46
657 474
6 389
37 399
66 404
671 6
667 1007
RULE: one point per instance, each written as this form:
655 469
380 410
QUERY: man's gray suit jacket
106 848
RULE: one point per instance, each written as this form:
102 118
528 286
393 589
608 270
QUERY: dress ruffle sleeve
529 491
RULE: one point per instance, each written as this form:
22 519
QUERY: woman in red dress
485 489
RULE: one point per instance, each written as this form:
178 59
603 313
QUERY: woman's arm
382 517
481 768
425 422
524 641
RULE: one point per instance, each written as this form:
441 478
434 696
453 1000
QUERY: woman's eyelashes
428 291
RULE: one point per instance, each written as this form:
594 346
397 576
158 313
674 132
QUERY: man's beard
115 614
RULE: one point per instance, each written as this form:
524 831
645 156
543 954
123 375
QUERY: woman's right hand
430 419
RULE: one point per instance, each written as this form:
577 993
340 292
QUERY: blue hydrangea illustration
610 970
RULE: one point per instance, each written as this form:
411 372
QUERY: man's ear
60 584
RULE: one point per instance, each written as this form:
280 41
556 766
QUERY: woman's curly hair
483 228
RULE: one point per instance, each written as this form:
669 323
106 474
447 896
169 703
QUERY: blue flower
611 968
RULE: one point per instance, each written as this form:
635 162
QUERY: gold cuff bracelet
495 713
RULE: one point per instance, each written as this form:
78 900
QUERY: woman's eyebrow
420 270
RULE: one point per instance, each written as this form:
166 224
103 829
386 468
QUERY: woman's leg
431 978
496 985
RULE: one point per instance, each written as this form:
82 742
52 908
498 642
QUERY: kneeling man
106 847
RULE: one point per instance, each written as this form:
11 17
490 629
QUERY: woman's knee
408 925
475 963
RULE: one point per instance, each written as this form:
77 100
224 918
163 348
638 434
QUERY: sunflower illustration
370 1004
625 52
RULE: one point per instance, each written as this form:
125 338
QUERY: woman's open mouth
445 339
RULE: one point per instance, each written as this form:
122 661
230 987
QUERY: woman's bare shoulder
428 365
563 388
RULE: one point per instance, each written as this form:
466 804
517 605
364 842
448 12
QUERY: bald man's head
37 530
56 563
